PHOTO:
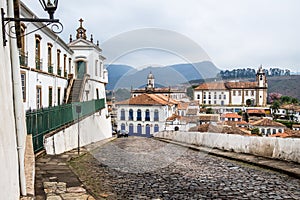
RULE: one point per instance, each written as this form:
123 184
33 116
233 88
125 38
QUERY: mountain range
124 76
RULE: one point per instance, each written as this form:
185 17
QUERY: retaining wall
92 129
279 148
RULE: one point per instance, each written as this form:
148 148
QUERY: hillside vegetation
285 85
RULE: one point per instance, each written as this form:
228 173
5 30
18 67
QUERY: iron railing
23 57
50 68
59 72
38 63
42 121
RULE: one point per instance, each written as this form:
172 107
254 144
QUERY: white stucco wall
92 129
279 148
9 182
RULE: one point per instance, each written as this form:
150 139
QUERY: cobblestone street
143 168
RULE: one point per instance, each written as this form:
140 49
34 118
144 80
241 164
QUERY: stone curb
286 167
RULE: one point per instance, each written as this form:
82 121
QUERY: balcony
59 72
50 68
23 57
38 63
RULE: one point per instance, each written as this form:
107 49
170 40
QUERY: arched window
130 129
122 126
139 129
139 115
38 63
122 114
130 118
156 115
147 115
156 128
148 129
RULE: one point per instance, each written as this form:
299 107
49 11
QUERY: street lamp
48 5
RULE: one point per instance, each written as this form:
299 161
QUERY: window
58 62
100 68
240 93
23 81
224 96
50 96
260 77
130 118
274 131
209 102
209 96
247 93
96 68
222 103
147 115
156 128
70 65
122 114
198 96
38 63
215 102
215 96
220 96
58 96
156 115
252 92
234 93
97 93
123 126
139 129
130 129
139 115
204 96
50 67
38 97
204 102
65 65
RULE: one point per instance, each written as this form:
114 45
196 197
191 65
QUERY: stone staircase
75 93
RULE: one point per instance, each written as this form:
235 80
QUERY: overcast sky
232 33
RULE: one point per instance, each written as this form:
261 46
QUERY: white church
234 93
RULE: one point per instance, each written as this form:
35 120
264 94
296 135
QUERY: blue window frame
139 115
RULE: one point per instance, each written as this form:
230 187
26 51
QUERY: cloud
234 33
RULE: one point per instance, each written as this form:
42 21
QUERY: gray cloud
234 33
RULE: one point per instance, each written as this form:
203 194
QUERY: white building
55 73
145 114
233 93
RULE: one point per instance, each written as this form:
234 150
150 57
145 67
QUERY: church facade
176 94
234 93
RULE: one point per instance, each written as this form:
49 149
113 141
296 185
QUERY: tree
255 131
285 99
249 102
209 111
294 101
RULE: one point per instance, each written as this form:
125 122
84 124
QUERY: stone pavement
289 168
56 181
144 168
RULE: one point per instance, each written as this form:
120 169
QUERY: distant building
234 93
176 94
268 127
145 114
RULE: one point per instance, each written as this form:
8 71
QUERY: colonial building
145 114
174 93
268 127
234 93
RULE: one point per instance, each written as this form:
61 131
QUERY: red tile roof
173 117
241 85
149 99
256 111
230 115
268 123
211 86
227 85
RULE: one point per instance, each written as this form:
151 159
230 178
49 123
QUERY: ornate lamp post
48 5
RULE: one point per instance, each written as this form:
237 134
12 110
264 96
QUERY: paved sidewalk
289 168
55 180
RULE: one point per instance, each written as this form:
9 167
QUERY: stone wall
92 129
278 148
